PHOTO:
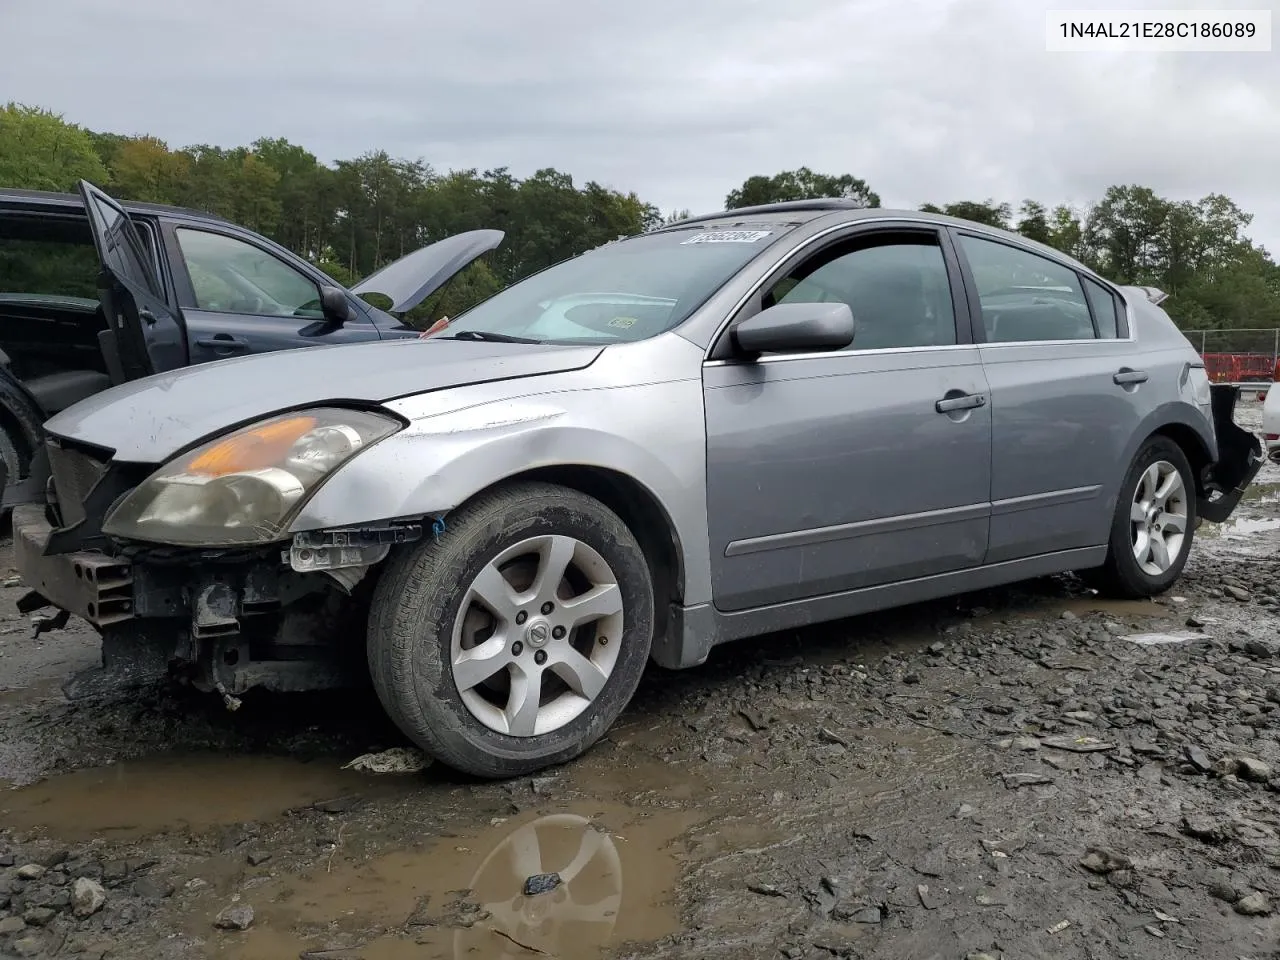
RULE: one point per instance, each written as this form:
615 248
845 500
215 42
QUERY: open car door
143 331
415 276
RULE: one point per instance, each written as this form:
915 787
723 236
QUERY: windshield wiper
487 336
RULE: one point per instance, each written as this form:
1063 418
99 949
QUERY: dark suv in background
200 289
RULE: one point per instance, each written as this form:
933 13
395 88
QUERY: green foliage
41 151
355 216
802 184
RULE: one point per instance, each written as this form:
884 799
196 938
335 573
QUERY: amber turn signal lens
254 449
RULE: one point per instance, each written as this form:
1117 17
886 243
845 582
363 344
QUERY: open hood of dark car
414 277
149 420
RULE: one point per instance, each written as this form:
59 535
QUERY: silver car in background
736 424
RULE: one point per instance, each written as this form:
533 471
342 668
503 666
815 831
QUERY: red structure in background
1241 367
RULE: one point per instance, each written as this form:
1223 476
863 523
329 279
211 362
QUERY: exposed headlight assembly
243 488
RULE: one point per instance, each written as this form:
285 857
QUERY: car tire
439 601
1124 575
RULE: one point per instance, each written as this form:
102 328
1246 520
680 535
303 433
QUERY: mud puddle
1246 528
465 896
182 793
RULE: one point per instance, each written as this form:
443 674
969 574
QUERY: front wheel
514 642
1153 526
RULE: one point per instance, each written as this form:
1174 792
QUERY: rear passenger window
1104 306
897 289
1026 297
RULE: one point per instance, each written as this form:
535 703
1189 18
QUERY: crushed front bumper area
87 584
224 624
1240 457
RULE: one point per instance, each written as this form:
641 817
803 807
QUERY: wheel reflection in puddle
575 919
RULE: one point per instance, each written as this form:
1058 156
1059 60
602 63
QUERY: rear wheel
1153 526
515 641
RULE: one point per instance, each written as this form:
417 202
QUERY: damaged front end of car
188 569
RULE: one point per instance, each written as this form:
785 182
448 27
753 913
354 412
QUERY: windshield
624 291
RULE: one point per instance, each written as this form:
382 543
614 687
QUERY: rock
340 804
1198 759
1068 615
257 858
239 917
866 915
115 870
1014 781
1254 905
150 889
1102 862
1025 744
1254 770
542 786
1262 649
1202 827
1224 891
827 735
31 871
541 883
28 946
933 863
12 925
1077 744
765 890
1237 593
39 916
87 897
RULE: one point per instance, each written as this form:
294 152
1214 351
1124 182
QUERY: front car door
144 332
239 297
1066 395
830 472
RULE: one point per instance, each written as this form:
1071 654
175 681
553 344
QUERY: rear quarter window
1106 309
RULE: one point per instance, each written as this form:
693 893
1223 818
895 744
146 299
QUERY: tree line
353 216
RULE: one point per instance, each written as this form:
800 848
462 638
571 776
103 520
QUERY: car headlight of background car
242 488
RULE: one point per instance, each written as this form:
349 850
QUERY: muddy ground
1003 775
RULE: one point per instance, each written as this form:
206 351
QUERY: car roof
47 199
836 210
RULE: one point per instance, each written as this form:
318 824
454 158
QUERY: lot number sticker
730 236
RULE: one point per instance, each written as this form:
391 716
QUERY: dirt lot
1003 775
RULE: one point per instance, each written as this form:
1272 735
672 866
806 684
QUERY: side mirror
796 327
334 304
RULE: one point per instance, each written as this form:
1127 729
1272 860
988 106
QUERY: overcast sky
679 100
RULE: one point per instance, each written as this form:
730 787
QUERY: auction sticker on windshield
730 236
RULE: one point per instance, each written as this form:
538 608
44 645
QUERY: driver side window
896 284
231 276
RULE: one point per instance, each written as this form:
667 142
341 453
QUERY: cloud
679 100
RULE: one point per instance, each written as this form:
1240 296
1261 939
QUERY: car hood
414 277
149 420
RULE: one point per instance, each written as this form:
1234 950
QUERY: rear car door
240 297
144 331
834 471
1067 395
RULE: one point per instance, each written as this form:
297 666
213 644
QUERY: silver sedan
736 424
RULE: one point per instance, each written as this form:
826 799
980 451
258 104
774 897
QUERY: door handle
969 401
223 341
1126 376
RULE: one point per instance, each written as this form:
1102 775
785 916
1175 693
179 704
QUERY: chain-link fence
1238 356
